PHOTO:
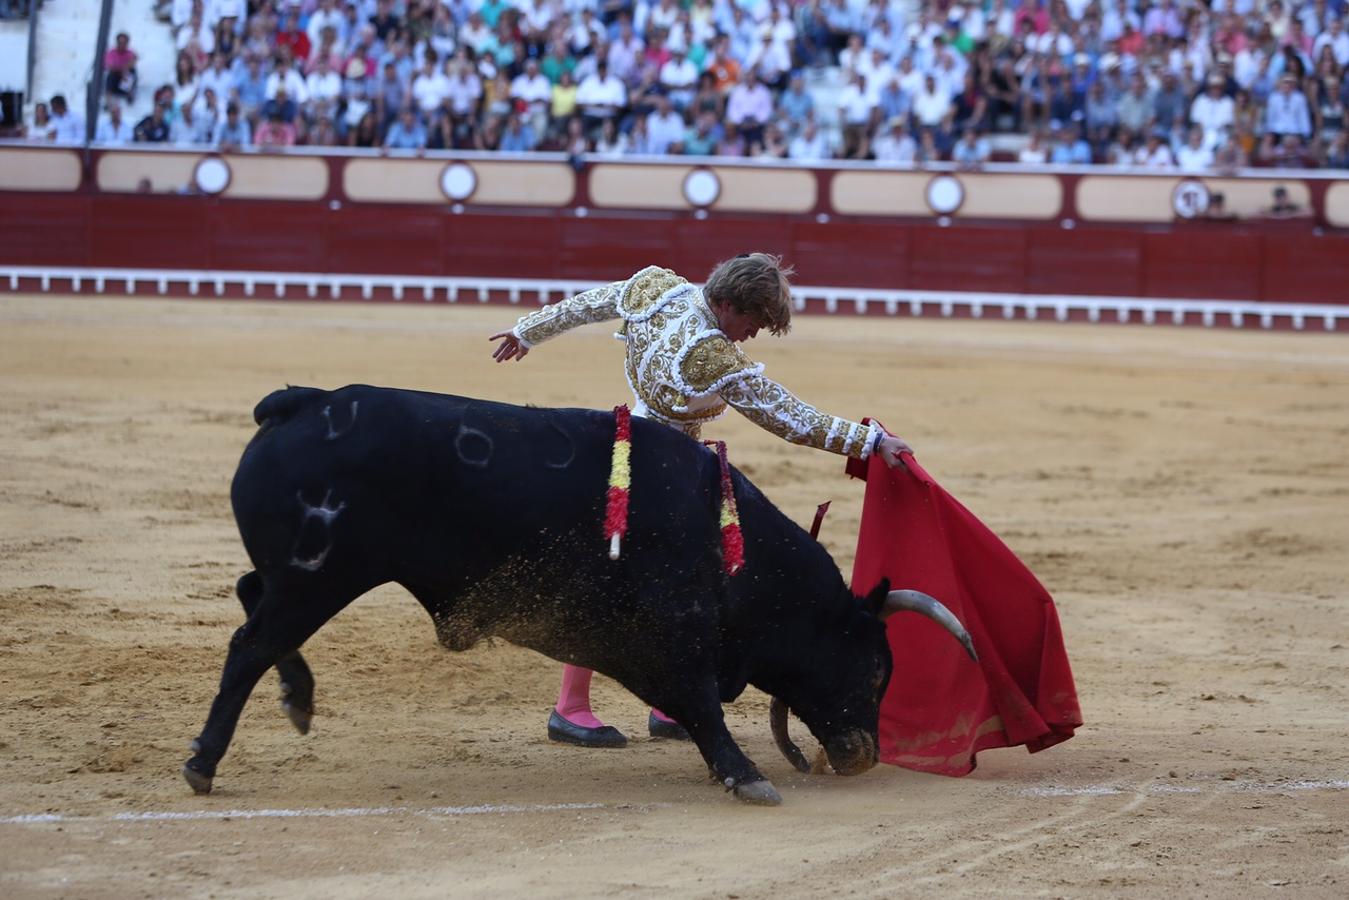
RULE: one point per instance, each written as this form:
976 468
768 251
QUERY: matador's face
734 324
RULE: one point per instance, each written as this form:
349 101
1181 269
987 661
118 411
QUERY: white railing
459 289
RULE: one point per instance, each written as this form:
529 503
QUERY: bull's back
415 485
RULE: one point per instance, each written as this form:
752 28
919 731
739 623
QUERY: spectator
611 143
1282 206
600 96
854 109
665 127
119 64
796 104
1337 154
406 133
1155 154
186 130
324 88
285 79
276 131
678 77
1195 156
970 152
1287 112
366 132
810 145
517 136
233 133
67 127
532 89
1034 151
250 86
1212 110
1135 109
701 139
895 144
114 131
42 128
294 38
931 103
749 106
217 76
154 128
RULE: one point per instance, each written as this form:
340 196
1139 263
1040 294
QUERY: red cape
941 708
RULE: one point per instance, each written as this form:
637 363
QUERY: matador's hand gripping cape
940 708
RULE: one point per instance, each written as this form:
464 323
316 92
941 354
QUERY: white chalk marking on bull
325 514
466 431
334 433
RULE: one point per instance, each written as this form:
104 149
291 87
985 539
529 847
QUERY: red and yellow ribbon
732 539
620 482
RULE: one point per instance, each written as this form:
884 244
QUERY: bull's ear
875 600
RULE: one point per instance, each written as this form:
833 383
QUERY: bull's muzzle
850 753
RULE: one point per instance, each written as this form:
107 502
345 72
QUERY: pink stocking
573 701
662 716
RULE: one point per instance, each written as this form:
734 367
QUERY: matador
685 368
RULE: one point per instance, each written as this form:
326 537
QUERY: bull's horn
777 718
917 601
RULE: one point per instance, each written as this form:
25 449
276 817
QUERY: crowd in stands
1141 83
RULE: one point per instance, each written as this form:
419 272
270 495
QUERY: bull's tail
278 406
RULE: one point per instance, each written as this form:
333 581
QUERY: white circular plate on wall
212 175
702 187
1190 199
458 181
945 194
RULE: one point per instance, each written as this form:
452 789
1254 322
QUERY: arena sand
1184 494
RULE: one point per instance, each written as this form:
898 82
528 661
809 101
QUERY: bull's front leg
702 717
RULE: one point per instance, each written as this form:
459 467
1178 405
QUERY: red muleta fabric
941 708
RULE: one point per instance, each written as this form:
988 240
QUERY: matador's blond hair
755 284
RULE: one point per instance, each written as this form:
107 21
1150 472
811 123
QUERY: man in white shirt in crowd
430 88
1154 154
114 129
679 78
324 87
771 60
187 130
931 103
218 76
600 96
1286 112
1195 156
284 76
1334 36
664 127
625 53
67 126
895 144
1213 111
326 16
534 89
810 145
464 91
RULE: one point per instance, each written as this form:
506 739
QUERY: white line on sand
1232 787
310 813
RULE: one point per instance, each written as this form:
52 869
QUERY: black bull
491 516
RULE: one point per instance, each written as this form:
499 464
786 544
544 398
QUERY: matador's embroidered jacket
683 370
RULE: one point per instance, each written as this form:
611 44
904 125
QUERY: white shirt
594 92
678 74
929 108
430 90
854 104
293 82
115 134
67 129
1194 159
805 149
464 94
1157 158
662 131
537 90
1210 114
901 149
322 87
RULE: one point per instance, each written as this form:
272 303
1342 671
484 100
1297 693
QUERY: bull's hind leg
280 623
297 682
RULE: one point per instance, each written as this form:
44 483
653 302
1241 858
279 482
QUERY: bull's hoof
298 716
760 793
666 729
200 784
565 732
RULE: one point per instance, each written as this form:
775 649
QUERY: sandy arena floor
1183 493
